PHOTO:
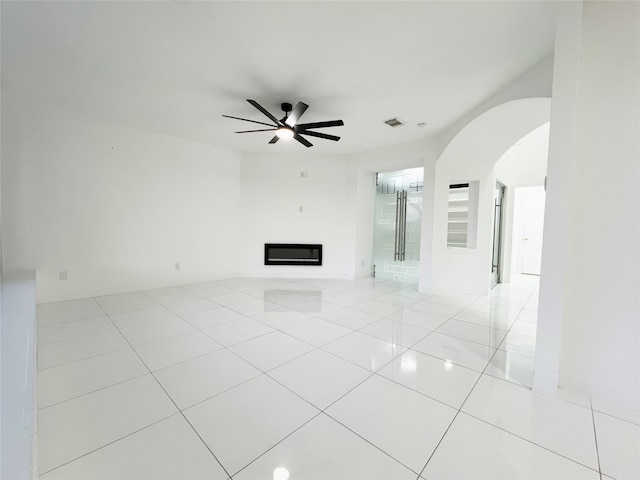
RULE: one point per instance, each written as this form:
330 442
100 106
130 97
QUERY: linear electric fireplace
292 254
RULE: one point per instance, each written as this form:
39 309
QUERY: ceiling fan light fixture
285 133
289 127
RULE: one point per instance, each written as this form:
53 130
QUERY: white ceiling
176 67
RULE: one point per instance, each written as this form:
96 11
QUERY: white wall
601 326
525 163
116 207
273 194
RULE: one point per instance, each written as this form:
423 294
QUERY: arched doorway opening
461 264
470 158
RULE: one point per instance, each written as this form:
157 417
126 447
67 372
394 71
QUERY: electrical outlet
176 266
300 208
64 275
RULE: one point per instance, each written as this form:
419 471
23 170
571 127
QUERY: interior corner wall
296 198
428 211
364 222
601 319
113 206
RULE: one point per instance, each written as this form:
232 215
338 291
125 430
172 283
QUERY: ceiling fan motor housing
286 107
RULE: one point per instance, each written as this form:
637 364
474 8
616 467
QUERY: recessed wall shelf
462 215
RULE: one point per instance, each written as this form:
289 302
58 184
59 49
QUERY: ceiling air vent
394 122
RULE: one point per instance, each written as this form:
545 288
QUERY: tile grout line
477 324
171 399
404 350
617 417
227 348
459 408
522 309
369 442
507 431
65 322
416 391
173 335
471 341
83 335
79 360
106 444
93 391
262 372
275 444
374 373
595 436
469 394
531 442
320 410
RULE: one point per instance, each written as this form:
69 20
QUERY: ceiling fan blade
330 123
296 113
319 135
247 120
261 130
265 112
303 141
274 139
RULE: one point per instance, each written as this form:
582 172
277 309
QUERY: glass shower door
398 223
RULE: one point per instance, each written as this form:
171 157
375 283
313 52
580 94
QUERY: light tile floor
314 379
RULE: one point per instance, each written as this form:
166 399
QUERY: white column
589 315
426 234
601 330
559 170
18 373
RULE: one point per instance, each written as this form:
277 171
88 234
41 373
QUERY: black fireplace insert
292 254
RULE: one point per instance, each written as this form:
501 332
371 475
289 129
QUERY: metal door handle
396 240
399 246
403 244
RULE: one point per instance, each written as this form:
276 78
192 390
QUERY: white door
533 222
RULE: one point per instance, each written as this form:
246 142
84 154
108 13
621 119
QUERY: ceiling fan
288 127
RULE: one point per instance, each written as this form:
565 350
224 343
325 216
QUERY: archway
470 157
